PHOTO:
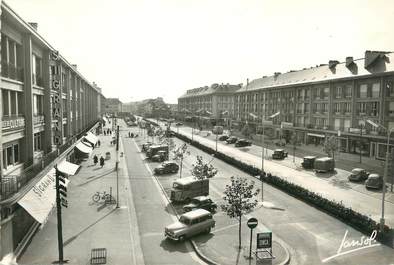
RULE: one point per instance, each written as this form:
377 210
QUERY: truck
154 149
184 189
324 164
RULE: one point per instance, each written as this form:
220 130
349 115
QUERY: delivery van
184 189
324 164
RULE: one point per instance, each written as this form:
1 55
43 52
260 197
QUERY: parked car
232 140
200 202
279 154
178 124
166 168
324 164
217 130
223 137
242 143
374 181
358 174
146 146
160 156
189 224
308 162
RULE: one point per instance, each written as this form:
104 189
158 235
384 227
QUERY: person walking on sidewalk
99 143
101 161
95 159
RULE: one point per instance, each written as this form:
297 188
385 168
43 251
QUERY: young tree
239 199
331 146
203 170
179 154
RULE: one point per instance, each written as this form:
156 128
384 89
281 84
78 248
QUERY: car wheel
182 238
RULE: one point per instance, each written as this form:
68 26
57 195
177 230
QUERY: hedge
357 220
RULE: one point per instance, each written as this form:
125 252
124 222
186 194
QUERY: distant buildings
113 105
312 104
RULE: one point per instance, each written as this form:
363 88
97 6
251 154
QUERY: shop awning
316 135
40 200
68 168
91 138
83 148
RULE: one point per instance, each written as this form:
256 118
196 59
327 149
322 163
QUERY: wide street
333 186
310 235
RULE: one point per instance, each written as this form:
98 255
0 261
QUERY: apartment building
331 99
45 105
113 105
215 101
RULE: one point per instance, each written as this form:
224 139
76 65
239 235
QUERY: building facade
113 105
332 99
45 103
216 100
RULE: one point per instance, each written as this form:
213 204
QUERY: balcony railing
13 122
11 71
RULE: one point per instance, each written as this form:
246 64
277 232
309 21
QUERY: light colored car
190 224
358 174
374 181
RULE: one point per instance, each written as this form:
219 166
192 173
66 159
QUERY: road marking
165 201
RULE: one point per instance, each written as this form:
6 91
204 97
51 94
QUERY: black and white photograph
197 132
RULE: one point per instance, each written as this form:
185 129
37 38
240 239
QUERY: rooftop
213 89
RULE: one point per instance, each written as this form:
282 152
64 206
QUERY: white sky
136 49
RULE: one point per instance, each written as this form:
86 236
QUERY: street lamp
389 131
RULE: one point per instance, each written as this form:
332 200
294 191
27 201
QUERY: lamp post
389 131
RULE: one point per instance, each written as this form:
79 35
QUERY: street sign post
252 223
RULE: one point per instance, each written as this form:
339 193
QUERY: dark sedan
358 174
232 140
166 168
242 143
200 202
223 137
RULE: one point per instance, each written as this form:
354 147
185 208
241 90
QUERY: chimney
247 81
349 61
371 57
34 25
332 64
74 66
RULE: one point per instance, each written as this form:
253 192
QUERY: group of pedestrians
95 160
107 131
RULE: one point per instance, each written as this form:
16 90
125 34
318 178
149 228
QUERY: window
348 91
337 108
337 124
391 109
5 103
37 66
346 124
11 54
338 92
324 107
326 92
390 88
374 108
375 90
347 107
37 142
362 108
363 91
11 155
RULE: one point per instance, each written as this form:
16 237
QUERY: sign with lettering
56 100
14 123
264 240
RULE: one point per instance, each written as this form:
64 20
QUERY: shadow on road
341 183
173 246
95 177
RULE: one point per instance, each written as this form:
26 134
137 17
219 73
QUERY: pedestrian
99 143
105 133
95 159
129 135
101 161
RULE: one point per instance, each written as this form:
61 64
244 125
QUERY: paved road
332 186
152 213
313 235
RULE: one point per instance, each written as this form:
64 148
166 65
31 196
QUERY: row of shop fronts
27 210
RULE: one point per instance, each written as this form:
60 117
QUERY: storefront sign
14 123
56 102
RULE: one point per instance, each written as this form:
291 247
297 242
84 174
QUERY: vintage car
308 162
200 202
223 137
358 174
166 167
160 156
242 143
232 140
324 164
146 146
279 154
374 181
190 224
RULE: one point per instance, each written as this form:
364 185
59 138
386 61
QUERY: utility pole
116 167
61 192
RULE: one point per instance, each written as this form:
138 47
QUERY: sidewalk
87 224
